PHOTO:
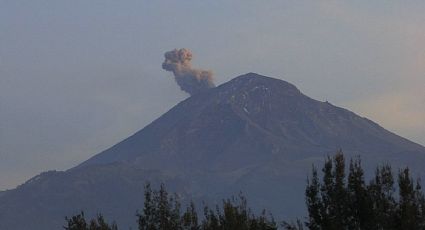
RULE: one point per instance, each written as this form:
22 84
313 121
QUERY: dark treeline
162 211
79 222
347 202
337 201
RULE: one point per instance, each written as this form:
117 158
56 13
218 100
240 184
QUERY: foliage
340 202
162 212
78 222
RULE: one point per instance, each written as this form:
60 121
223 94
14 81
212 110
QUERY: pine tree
326 192
409 209
100 224
381 190
190 218
163 217
235 215
148 219
175 217
211 220
333 194
359 208
337 202
77 222
340 198
313 202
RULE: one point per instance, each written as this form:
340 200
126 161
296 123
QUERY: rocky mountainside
253 134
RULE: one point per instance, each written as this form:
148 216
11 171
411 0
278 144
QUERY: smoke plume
189 79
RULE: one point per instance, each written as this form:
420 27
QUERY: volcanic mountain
254 134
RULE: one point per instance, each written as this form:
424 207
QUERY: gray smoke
189 79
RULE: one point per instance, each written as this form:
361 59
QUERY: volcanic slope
254 134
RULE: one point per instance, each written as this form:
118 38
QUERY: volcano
254 134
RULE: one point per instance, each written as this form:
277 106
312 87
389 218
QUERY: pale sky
78 76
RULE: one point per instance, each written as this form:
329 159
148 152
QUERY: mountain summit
248 120
254 134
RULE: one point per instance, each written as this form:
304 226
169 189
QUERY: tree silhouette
338 202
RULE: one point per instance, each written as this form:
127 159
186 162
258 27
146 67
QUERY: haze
78 76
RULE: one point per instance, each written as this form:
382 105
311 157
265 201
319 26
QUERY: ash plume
189 79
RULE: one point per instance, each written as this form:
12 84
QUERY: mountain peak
248 115
254 134
255 88
254 80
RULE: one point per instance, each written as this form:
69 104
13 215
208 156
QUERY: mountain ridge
254 134
243 83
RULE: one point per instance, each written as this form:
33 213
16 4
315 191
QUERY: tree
235 215
190 218
78 222
381 192
327 209
100 224
160 211
147 220
409 207
314 204
348 203
360 214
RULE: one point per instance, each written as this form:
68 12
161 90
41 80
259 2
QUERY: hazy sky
78 76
